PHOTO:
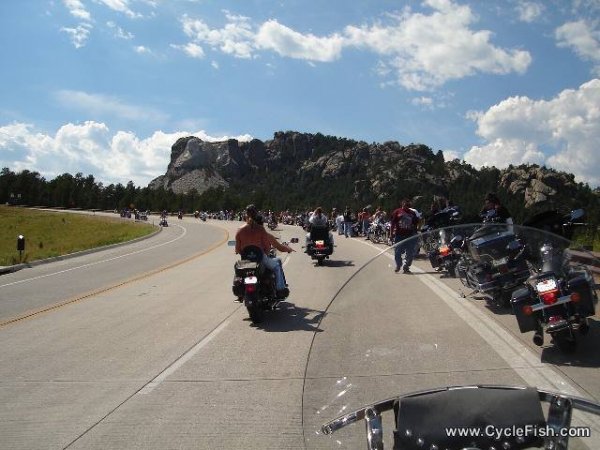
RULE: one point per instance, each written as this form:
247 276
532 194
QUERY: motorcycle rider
404 225
493 208
318 219
254 233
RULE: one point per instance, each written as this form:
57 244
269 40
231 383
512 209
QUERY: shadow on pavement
585 355
289 317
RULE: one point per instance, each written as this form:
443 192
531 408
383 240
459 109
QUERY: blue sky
105 87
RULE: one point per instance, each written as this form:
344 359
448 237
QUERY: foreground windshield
388 333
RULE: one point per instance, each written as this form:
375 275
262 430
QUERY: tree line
277 191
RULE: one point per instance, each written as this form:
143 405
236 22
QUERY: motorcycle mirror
294 240
577 214
231 243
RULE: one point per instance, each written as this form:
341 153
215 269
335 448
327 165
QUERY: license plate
320 243
546 285
500 262
250 280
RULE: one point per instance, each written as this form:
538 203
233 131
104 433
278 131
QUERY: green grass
49 234
589 237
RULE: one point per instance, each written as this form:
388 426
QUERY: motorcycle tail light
527 310
250 288
320 246
575 297
553 319
550 297
444 251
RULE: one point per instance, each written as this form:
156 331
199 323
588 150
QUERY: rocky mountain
296 169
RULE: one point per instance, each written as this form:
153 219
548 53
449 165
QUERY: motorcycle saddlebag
520 298
582 286
238 287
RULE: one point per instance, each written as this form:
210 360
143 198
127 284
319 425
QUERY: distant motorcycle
163 222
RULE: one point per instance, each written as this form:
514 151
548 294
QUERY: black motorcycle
319 246
493 262
254 284
559 295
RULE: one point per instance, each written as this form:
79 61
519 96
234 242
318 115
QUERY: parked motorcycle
493 262
319 245
559 296
446 256
377 232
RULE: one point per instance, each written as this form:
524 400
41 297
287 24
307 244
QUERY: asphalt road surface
142 346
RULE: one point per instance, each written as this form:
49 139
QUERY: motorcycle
445 218
397 362
445 258
180 215
493 262
254 284
272 224
377 232
163 222
559 296
319 245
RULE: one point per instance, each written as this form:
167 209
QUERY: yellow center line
34 313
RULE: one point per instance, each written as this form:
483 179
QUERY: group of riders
404 222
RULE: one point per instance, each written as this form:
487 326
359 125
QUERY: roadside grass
48 234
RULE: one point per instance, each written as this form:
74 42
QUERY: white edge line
182 360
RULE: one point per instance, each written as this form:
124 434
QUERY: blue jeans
274 264
365 227
408 248
347 228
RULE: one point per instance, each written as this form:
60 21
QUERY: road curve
143 347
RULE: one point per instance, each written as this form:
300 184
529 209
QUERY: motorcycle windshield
387 333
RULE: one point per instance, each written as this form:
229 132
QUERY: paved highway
142 346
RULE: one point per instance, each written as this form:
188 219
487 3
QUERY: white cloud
142 50
426 51
562 133
91 148
120 32
104 105
191 49
287 42
450 155
77 9
583 38
236 38
79 35
529 11
422 52
121 6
